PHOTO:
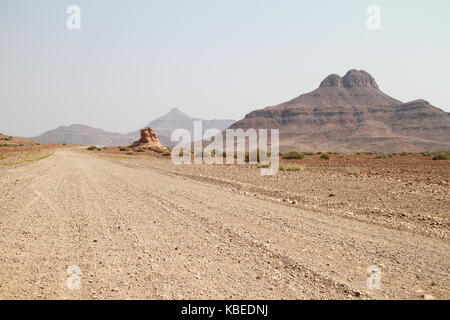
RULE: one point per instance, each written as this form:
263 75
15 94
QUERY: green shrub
139 150
292 155
91 148
294 167
325 156
123 149
282 167
441 155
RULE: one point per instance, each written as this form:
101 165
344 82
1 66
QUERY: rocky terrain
16 151
351 113
137 226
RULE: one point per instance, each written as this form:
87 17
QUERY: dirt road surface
136 232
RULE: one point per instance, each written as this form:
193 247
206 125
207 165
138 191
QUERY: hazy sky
132 61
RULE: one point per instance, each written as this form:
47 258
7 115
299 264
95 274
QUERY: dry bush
292 155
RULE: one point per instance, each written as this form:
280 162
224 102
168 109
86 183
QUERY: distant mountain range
351 113
348 113
163 127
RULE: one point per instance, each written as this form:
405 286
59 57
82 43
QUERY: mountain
175 119
81 134
163 127
351 113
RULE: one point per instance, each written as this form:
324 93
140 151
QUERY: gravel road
140 233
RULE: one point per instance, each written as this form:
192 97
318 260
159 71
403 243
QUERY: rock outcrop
148 139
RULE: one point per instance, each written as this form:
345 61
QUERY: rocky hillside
81 134
351 113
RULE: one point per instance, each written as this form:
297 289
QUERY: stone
148 139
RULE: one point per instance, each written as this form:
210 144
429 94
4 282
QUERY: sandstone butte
148 139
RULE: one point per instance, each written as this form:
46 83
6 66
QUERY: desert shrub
156 150
267 165
292 155
294 167
353 171
381 156
91 148
319 153
308 153
129 153
166 153
325 156
139 150
404 154
123 149
441 155
282 167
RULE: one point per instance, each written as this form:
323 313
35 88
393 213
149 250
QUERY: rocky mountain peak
359 78
333 80
352 79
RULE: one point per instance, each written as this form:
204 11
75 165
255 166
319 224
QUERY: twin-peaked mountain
351 113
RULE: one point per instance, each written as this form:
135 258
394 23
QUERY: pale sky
132 61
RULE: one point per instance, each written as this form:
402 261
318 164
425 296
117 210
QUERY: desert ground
140 227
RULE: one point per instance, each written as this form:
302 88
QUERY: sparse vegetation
441 155
92 148
139 150
156 150
404 154
292 155
123 149
294 167
325 156
166 153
